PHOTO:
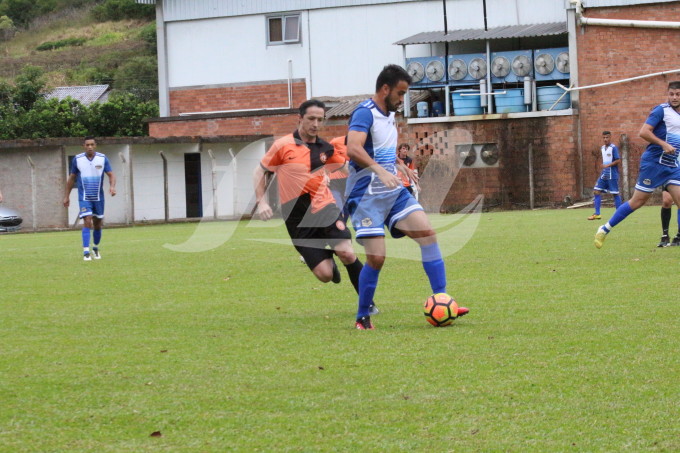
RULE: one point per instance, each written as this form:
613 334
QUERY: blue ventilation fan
511 66
551 64
426 71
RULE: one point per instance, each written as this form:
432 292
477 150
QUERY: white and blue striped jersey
381 145
90 175
666 123
610 154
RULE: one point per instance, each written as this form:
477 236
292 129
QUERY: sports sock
368 282
354 270
86 237
434 267
678 221
617 201
598 203
621 213
665 219
97 236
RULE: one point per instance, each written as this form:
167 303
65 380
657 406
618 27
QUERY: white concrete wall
344 47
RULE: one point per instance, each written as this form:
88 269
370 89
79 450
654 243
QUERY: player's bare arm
69 185
112 183
647 134
264 211
357 153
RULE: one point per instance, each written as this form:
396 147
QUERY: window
283 29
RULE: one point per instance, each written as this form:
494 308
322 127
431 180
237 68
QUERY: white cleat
87 257
96 254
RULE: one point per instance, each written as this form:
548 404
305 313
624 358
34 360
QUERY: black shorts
313 242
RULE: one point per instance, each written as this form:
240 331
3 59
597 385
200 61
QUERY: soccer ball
440 309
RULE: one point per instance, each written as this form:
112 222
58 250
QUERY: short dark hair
89 137
391 75
606 133
674 85
310 103
401 145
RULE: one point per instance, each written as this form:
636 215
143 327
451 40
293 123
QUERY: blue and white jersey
90 175
610 154
381 145
666 123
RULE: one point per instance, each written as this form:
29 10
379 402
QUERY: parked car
10 219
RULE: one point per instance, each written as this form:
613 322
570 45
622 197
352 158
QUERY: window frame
283 17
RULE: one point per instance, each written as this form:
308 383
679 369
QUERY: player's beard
390 106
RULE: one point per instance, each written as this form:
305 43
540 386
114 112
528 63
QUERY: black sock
353 270
665 220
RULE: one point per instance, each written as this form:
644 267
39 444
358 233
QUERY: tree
30 83
7 28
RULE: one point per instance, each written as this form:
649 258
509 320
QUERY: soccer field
239 348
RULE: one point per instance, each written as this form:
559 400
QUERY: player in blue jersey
608 182
88 169
376 197
659 162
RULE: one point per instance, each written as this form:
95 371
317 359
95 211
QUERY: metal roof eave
510 31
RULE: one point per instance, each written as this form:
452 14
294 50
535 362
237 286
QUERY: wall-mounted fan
544 64
416 70
468 155
457 69
434 70
489 154
562 62
477 68
521 65
500 66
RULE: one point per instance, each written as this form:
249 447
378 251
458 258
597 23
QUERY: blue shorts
653 175
373 212
607 186
91 208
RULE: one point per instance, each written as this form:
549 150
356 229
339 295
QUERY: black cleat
665 241
676 241
364 323
373 310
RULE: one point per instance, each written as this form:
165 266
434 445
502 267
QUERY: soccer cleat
595 217
373 310
95 253
665 241
676 241
462 311
336 273
87 257
600 236
364 323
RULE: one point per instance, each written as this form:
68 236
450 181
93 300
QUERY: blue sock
434 267
97 236
86 237
621 213
368 282
617 201
598 203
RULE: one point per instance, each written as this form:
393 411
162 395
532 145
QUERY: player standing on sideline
666 214
312 218
376 196
403 158
659 162
609 177
88 170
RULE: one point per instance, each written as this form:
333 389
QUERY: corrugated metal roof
345 105
85 94
511 31
603 3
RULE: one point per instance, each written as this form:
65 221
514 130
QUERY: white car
10 219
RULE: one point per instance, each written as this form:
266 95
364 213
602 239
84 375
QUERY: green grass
239 348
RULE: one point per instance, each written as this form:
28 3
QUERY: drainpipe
34 193
578 4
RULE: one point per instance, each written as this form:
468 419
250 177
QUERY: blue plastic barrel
510 102
466 105
437 108
422 108
546 97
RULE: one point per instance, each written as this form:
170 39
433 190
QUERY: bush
51 45
7 28
138 76
122 9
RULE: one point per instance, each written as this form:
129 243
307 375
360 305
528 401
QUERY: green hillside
78 46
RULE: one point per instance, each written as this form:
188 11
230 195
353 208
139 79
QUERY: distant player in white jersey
376 197
88 169
608 182
658 164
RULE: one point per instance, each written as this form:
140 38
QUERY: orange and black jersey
299 168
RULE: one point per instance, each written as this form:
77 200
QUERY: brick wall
276 125
237 97
611 53
555 162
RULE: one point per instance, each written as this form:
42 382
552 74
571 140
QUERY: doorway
192 181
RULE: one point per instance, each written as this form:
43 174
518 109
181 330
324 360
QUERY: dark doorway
192 180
